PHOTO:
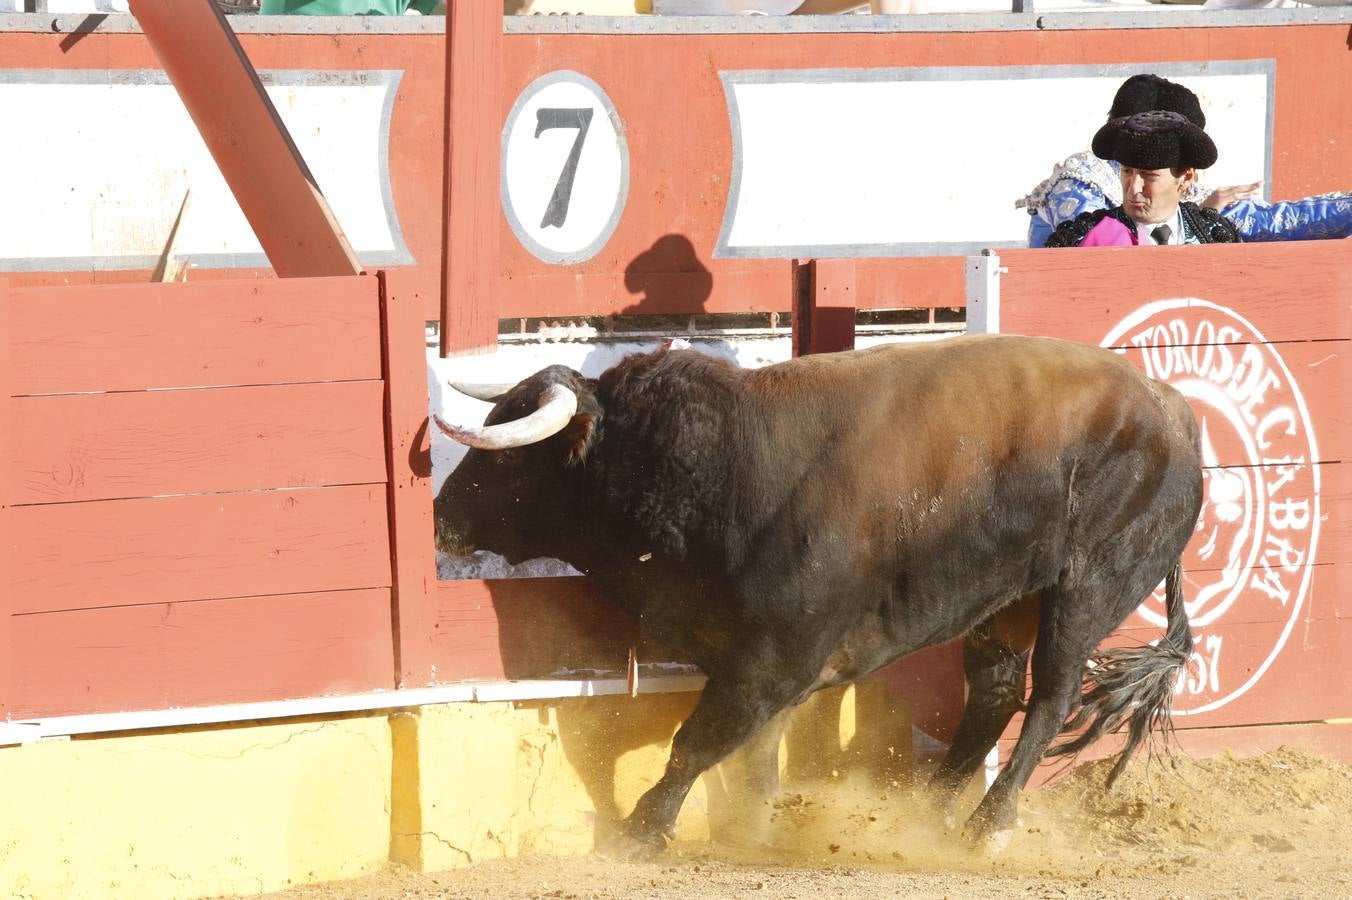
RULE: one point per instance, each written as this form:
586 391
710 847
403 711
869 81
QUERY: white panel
100 170
900 159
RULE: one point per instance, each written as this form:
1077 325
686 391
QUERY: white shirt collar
1175 224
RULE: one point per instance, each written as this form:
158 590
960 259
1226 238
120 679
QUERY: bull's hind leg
1069 627
732 708
995 661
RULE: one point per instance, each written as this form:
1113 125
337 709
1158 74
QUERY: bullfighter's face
1152 196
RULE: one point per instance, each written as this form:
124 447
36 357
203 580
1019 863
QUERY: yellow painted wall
191 813
256 807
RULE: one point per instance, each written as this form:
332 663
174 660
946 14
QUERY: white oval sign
565 168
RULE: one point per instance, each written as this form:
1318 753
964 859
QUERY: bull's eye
506 457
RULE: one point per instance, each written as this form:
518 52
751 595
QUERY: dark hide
801 525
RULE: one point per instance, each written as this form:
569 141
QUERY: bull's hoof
619 844
995 842
990 833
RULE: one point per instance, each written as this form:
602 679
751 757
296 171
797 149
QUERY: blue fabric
1313 218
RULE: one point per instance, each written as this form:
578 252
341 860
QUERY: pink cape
1109 233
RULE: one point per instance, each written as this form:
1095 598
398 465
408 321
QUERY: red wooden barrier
6 528
198 486
1259 339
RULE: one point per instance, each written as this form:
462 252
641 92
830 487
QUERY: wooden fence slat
410 478
1322 370
530 628
1075 295
188 654
139 336
198 547
7 559
473 209
105 446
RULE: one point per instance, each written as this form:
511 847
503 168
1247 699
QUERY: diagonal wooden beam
246 137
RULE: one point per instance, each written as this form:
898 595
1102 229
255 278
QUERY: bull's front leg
734 706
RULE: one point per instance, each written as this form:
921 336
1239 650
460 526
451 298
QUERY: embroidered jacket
1084 183
1200 226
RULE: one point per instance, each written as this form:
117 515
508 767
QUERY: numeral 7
545 119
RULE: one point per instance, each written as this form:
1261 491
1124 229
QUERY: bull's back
954 466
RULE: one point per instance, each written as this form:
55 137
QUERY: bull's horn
557 405
492 393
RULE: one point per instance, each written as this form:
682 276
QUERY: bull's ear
577 437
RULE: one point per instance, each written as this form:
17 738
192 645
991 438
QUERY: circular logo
565 168
1248 567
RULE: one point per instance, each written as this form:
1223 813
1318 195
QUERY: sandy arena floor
1278 825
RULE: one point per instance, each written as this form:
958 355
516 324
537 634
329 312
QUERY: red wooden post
6 537
408 454
473 218
241 128
824 306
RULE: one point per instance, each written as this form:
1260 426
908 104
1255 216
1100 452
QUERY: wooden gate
198 493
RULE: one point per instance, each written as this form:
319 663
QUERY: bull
799 526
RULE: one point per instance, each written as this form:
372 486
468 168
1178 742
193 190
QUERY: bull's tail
1133 685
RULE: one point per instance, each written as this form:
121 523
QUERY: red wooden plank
473 221
1293 290
1263 394
1331 740
137 336
410 478
531 628
833 300
7 428
1284 649
192 654
1252 669
1250 514
251 146
104 446
123 552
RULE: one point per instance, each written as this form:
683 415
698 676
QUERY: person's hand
1220 198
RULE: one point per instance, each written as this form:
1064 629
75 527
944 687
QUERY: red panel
410 467
1082 295
469 312
101 446
251 146
189 654
1333 741
1299 660
1270 513
7 561
133 337
123 552
530 628
1254 395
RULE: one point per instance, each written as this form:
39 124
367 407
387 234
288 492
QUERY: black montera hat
1154 140
1142 93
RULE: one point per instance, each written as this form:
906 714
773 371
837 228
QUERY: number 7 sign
565 166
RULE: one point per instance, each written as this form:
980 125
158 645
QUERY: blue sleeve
1314 218
1066 199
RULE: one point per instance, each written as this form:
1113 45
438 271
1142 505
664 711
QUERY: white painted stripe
28 731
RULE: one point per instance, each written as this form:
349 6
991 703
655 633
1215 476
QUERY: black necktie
1161 234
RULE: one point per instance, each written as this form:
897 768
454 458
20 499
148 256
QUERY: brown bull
799 526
